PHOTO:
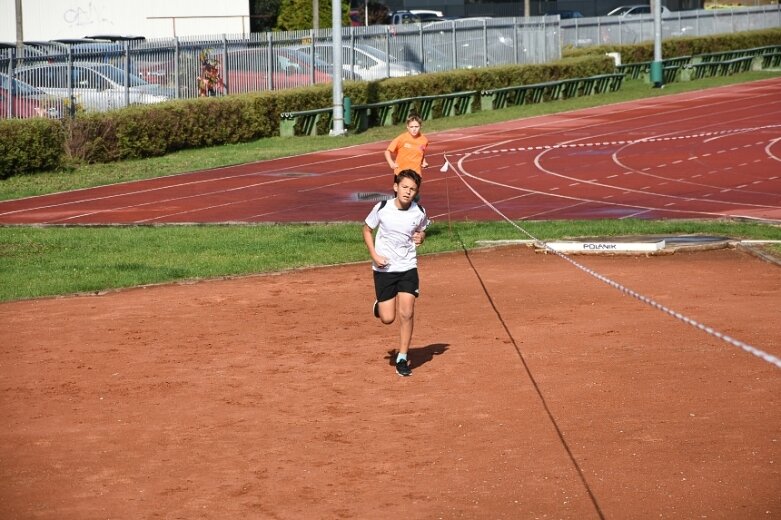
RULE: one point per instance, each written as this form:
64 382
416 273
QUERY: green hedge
151 130
28 145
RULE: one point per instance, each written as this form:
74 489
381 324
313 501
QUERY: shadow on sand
419 356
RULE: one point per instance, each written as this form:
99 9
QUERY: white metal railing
102 75
623 30
53 79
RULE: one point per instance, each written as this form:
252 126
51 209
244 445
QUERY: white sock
400 357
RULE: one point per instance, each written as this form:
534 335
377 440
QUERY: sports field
539 390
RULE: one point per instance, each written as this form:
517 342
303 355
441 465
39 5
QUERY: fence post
176 67
732 19
10 100
387 51
225 83
127 72
485 44
71 97
453 38
421 47
270 67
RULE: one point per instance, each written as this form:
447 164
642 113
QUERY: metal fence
64 77
55 79
623 30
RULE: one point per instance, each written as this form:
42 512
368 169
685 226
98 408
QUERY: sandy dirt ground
538 392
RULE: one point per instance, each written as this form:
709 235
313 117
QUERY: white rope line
689 321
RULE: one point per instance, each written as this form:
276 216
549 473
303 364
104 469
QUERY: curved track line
768 150
585 200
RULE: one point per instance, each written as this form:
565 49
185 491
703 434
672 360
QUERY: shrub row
30 145
151 130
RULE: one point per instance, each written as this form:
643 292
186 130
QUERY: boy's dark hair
416 118
408 174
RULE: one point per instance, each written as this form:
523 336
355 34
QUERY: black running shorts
388 285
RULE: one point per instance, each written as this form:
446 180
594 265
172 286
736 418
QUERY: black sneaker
402 368
376 309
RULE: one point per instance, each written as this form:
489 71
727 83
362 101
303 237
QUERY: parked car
364 62
473 48
414 16
18 99
6 49
633 10
95 86
248 70
565 14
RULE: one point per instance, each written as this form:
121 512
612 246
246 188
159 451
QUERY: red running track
708 154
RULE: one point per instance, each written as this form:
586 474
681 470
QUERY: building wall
56 19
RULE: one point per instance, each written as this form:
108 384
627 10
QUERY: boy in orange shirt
409 148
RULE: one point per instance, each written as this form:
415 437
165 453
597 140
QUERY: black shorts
388 285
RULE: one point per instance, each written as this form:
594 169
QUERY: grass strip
50 261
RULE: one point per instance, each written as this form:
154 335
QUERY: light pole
657 74
336 79
19 29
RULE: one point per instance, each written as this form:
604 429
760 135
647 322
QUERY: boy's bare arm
380 261
389 159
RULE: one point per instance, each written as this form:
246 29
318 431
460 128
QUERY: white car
415 16
632 10
369 62
96 87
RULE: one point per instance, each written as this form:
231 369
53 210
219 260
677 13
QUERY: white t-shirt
394 236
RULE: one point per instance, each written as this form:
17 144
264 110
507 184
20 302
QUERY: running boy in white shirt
400 225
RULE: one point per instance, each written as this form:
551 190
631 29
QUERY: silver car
363 61
94 87
634 10
479 42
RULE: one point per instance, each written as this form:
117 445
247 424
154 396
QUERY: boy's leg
406 320
385 292
387 310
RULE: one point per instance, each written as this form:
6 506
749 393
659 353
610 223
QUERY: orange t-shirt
409 152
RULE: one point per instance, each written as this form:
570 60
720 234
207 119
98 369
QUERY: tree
378 13
263 14
297 14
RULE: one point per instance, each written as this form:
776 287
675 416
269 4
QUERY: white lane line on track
588 200
609 144
137 192
267 169
770 153
309 189
637 206
725 132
